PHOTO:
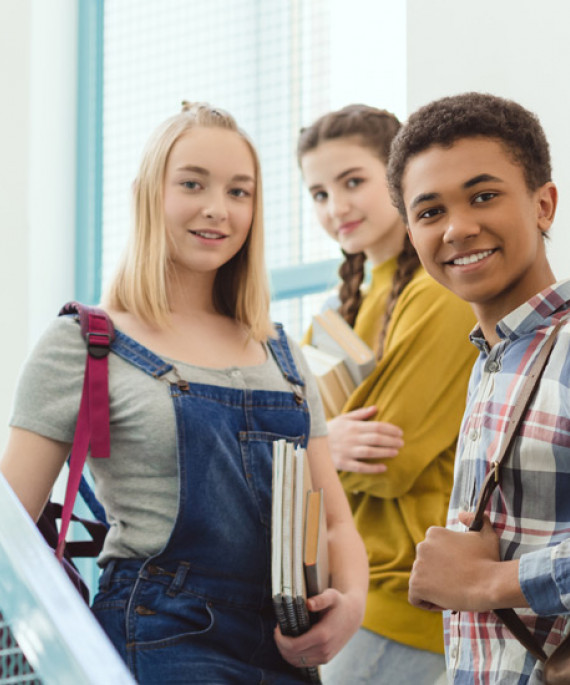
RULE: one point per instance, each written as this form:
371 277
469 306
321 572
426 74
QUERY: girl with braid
394 442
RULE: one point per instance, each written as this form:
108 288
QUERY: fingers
388 429
316 645
360 445
362 413
370 445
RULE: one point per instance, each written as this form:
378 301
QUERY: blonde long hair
241 288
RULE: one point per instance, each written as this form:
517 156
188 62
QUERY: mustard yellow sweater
419 385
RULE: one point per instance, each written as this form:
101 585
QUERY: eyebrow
194 169
246 178
480 178
340 176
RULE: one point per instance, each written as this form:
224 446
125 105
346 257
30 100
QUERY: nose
338 205
215 207
460 226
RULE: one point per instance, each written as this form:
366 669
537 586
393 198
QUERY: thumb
322 601
466 518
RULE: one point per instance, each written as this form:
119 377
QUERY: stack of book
299 548
338 359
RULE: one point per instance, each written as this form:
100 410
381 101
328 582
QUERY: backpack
92 430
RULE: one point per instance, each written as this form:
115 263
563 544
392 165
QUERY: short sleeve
50 384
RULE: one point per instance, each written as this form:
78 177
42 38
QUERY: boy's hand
355 441
456 570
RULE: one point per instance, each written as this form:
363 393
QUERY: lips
349 226
208 235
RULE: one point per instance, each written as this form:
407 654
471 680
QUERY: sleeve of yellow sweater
419 384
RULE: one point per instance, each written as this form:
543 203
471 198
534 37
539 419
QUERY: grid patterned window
275 65
267 63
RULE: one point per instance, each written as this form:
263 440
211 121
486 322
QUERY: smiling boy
471 177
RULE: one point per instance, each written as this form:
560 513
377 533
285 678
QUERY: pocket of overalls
160 619
257 460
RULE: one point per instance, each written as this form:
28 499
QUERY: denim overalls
200 610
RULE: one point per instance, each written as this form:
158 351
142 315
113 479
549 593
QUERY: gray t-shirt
138 484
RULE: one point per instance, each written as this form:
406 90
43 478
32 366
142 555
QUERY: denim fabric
370 659
200 611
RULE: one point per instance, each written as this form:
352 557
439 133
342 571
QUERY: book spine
311 674
280 614
303 619
291 616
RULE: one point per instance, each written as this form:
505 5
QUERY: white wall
368 54
37 134
514 48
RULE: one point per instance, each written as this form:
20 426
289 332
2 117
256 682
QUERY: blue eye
240 192
191 185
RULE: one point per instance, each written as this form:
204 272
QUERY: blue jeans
370 659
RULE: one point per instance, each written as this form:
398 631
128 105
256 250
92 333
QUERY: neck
190 293
489 315
390 246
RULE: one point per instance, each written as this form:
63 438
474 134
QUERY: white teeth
207 234
472 258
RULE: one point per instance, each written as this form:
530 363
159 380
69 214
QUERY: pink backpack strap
92 428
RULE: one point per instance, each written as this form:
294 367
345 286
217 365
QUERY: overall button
144 611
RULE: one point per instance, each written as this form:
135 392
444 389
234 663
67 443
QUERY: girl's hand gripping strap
92 426
508 616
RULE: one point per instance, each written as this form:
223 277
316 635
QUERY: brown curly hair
470 115
375 129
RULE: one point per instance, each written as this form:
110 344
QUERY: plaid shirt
530 510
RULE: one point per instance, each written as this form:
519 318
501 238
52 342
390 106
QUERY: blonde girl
201 384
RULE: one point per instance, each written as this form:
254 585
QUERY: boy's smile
477 227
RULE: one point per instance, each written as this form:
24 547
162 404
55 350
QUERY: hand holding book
296 532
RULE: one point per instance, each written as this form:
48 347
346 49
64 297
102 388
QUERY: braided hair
375 129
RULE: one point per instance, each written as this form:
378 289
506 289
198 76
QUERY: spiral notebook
291 492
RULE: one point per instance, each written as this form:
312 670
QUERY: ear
547 201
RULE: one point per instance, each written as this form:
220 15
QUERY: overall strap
282 354
509 616
139 356
92 428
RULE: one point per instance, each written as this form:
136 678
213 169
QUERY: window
267 64
275 66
